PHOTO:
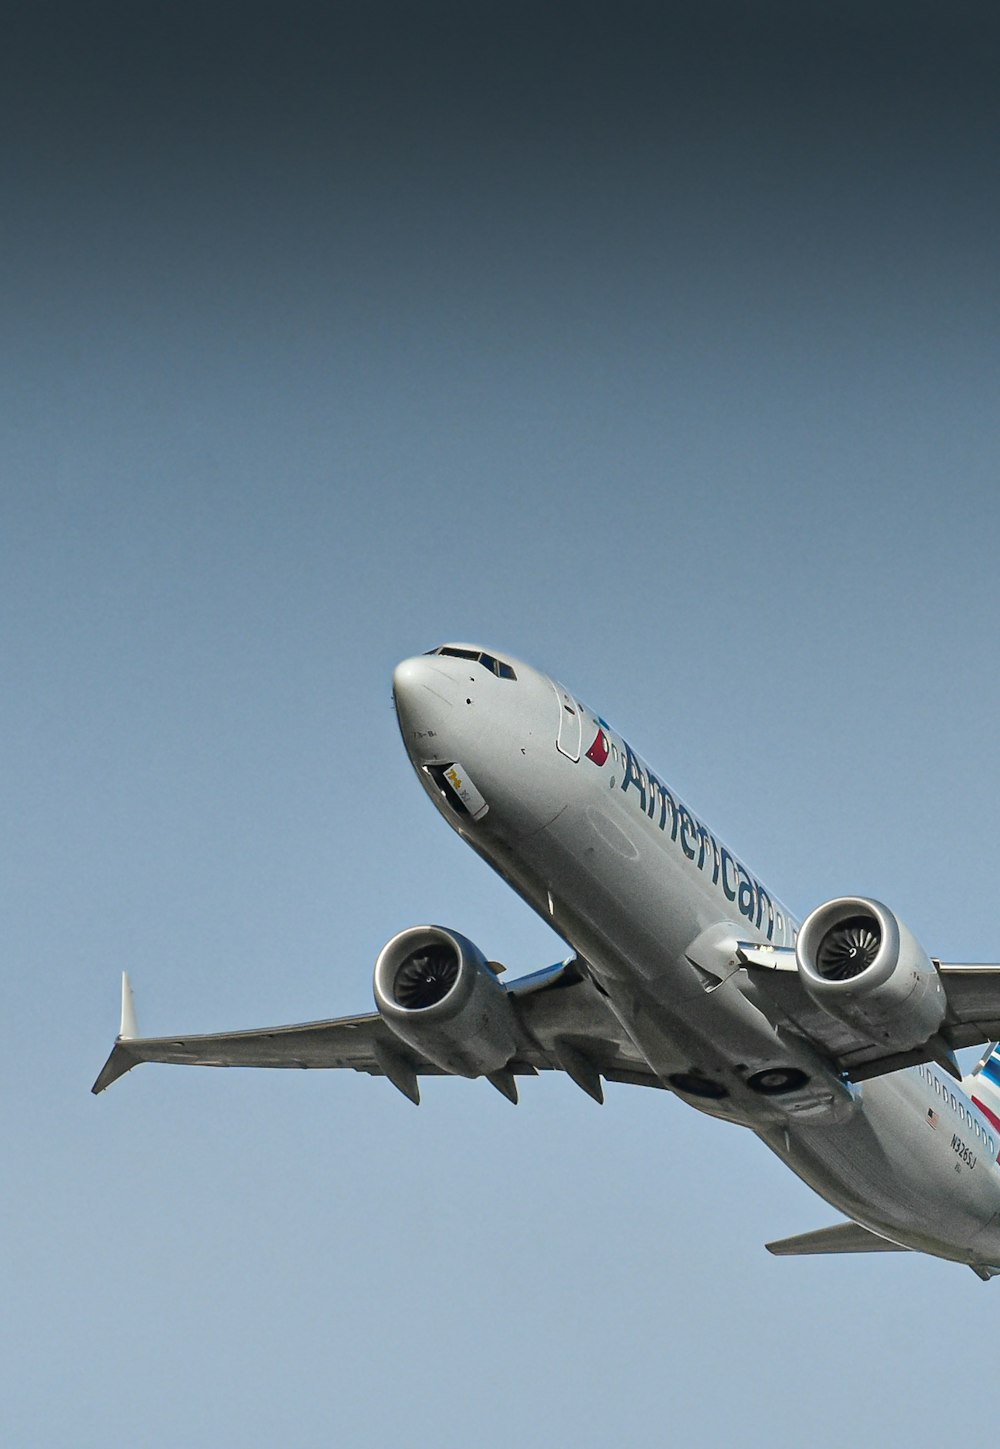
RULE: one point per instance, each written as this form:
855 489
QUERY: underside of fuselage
580 834
834 1042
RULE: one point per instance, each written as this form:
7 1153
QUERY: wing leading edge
563 1025
841 1238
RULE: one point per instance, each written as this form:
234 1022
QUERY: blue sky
659 350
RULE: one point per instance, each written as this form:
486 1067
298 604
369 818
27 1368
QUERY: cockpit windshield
499 667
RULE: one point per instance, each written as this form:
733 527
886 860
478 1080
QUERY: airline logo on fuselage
699 845
598 751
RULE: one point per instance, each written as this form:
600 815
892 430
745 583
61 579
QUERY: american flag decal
932 1118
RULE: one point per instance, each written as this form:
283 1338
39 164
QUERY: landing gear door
569 737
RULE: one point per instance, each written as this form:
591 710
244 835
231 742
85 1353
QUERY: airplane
832 1040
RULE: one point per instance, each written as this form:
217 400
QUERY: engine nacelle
860 963
435 991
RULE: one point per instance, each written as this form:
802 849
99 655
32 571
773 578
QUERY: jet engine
436 992
861 964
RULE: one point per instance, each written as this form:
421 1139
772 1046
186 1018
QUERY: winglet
129 1028
121 1059
118 1063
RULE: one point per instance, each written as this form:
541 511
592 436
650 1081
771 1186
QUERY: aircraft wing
973 1015
563 1024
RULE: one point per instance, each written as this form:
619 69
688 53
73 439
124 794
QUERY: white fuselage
646 895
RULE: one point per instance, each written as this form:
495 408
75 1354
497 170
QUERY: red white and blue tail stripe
984 1085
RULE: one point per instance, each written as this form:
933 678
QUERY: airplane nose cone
424 697
407 676
413 677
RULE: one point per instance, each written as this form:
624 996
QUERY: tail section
846 1237
983 1086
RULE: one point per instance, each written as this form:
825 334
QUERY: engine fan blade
848 948
425 978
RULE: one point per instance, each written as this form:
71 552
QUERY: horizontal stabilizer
841 1238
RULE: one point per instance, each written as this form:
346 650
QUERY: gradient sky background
656 346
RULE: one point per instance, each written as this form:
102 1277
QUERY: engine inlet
848 948
425 977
